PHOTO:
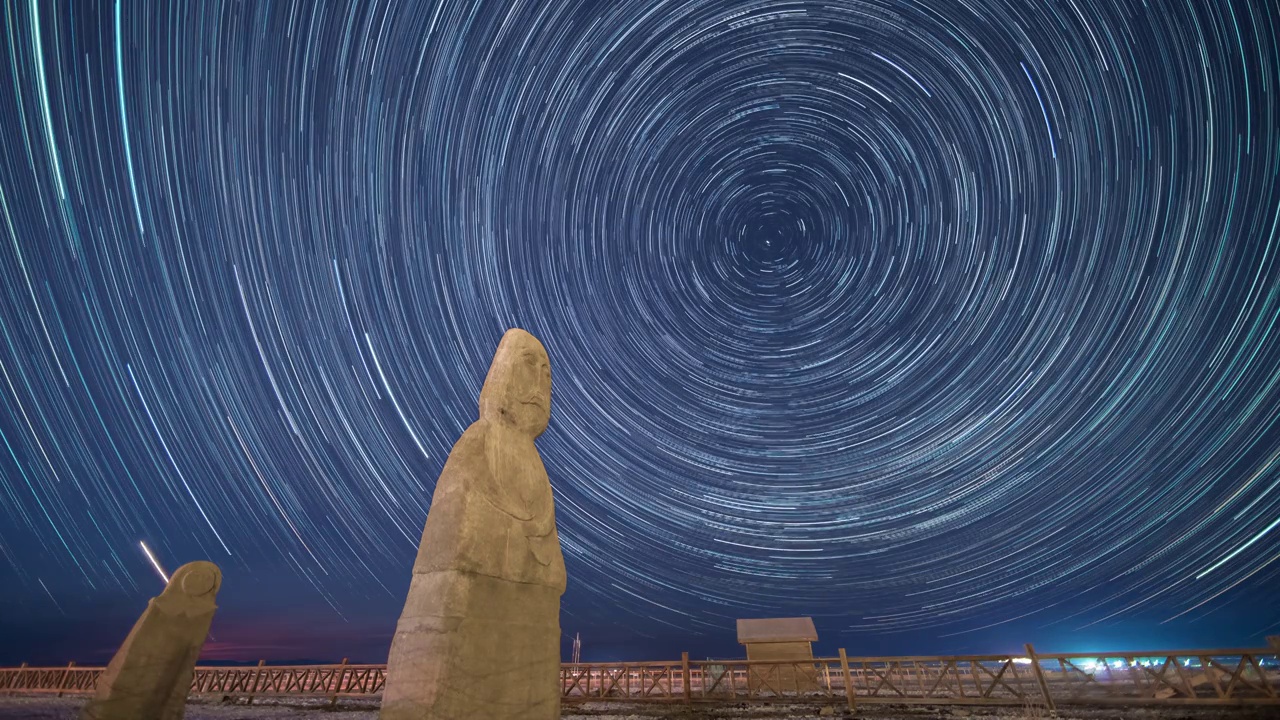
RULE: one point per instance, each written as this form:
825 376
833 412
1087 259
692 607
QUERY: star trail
952 325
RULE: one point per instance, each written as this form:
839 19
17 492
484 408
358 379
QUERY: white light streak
154 562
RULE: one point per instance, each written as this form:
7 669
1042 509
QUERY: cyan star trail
952 325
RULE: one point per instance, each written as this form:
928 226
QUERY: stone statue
150 675
480 633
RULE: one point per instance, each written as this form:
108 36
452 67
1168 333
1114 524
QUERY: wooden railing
1163 677
1233 676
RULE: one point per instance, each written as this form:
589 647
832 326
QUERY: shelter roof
797 629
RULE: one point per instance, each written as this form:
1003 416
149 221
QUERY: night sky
952 325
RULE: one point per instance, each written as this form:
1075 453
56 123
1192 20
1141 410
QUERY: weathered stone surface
480 633
150 675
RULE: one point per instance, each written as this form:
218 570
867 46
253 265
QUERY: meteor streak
154 562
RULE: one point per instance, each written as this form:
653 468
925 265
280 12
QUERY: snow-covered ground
68 708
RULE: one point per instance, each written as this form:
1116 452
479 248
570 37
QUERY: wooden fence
1045 680
1208 677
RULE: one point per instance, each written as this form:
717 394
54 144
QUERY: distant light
154 563
1022 661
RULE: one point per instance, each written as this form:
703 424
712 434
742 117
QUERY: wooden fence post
257 677
17 680
337 683
848 681
1044 685
684 678
66 675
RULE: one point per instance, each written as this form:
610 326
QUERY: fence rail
1161 677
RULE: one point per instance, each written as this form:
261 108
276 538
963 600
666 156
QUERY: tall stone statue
150 675
480 633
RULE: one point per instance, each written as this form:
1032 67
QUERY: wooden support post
684 678
849 695
257 677
1044 685
1262 675
337 683
17 680
66 675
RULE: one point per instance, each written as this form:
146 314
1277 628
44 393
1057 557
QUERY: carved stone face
517 391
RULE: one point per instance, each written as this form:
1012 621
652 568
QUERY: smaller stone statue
150 676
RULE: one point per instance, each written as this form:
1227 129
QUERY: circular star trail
917 318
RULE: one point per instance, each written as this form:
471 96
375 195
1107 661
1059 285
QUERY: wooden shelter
786 642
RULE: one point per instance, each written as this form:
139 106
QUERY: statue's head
517 391
199 579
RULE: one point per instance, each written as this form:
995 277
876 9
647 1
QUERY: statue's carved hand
544 547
